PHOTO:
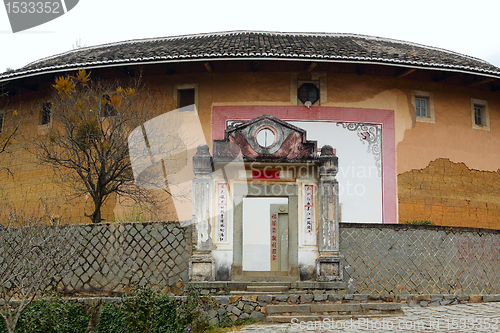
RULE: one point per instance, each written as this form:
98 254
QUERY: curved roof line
223 33
261 45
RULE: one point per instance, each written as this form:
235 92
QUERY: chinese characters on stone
274 233
309 207
222 211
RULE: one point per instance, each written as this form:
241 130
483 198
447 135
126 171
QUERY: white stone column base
330 268
201 268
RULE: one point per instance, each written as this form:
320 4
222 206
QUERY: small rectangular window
1 123
479 115
186 97
46 113
422 107
423 101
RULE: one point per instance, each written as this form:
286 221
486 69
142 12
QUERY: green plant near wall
420 222
110 320
143 311
52 315
140 310
191 313
225 320
166 320
136 213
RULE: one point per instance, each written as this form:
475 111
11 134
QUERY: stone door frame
290 191
281 213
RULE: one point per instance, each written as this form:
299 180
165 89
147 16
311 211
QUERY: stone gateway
266 206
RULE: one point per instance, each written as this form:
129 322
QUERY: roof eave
347 60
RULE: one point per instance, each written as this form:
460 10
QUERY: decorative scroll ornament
372 134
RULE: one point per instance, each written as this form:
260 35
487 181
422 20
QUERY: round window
265 137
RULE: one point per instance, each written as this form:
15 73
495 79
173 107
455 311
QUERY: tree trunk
96 215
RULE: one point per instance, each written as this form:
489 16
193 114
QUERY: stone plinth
201 268
330 268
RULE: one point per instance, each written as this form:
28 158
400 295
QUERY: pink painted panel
327 114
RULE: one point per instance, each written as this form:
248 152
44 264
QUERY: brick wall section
406 259
119 255
450 194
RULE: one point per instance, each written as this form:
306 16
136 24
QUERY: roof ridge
343 47
139 40
263 32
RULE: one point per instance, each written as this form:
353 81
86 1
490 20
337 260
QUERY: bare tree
87 144
9 126
9 121
34 250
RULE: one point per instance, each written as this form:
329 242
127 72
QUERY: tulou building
282 137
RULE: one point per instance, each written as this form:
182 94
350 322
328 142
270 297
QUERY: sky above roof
469 29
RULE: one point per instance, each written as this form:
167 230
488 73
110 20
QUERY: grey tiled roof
330 47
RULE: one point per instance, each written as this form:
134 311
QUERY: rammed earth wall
414 259
119 255
451 194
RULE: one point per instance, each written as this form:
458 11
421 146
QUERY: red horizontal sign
265 174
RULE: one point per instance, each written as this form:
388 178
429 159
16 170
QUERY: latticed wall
400 259
385 259
118 255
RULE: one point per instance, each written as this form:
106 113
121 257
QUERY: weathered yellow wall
417 144
358 91
472 155
448 193
27 184
452 135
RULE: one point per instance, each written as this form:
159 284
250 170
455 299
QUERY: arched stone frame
241 191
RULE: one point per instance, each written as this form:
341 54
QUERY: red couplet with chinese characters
274 241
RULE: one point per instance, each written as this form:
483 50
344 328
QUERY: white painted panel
257 232
360 184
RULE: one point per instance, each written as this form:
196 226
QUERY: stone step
250 293
273 289
266 273
319 308
320 318
262 278
242 285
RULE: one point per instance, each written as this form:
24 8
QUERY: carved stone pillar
201 264
329 265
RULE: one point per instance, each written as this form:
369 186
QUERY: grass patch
420 222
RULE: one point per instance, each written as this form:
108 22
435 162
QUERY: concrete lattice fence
379 259
408 259
118 255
